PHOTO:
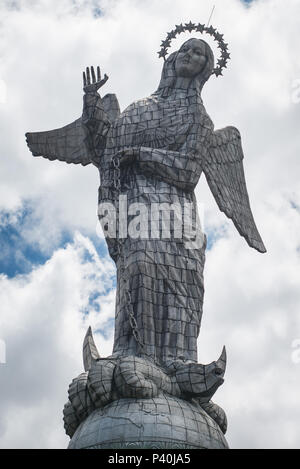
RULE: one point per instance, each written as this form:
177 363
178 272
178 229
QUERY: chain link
124 280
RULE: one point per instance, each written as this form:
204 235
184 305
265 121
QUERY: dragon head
202 381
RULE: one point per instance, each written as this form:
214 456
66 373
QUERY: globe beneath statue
164 422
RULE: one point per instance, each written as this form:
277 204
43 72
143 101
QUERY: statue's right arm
94 118
83 141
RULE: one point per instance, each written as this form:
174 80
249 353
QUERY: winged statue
155 152
150 157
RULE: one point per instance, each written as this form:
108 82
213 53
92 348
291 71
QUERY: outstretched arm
94 119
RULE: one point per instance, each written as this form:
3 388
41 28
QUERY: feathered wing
224 172
68 143
111 106
64 144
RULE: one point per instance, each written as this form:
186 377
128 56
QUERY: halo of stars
201 28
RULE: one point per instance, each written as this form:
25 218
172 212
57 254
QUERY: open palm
90 82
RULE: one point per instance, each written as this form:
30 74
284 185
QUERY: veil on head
168 76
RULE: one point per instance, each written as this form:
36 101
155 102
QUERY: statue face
191 58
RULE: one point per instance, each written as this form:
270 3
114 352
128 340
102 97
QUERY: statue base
163 422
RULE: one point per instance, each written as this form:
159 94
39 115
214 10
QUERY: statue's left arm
224 171
173 167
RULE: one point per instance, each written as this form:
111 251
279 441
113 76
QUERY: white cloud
252 301
43 322
252 305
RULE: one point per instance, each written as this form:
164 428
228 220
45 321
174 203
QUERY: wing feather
68 143
224 172
64 144
111 106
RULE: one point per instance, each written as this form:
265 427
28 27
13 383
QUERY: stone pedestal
163 422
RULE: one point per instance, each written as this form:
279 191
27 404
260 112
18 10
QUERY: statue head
194 60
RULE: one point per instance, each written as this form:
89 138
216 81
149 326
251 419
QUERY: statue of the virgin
153 154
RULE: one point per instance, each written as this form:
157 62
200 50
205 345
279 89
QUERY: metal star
224 46
211 30
225 55
190 26
219 37
162 53
222 63
179 28
200 28
166 43
218 72
171 34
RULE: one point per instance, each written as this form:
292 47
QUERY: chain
124 282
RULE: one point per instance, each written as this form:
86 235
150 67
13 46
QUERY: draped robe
164 276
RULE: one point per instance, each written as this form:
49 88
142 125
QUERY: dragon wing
68 143
224 172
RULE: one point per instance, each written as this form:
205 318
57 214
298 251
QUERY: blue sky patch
213 235
19 254
294 205
105 331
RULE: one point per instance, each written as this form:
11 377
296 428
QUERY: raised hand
90 83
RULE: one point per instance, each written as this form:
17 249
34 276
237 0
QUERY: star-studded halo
201 28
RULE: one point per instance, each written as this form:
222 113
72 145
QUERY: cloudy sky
55 275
